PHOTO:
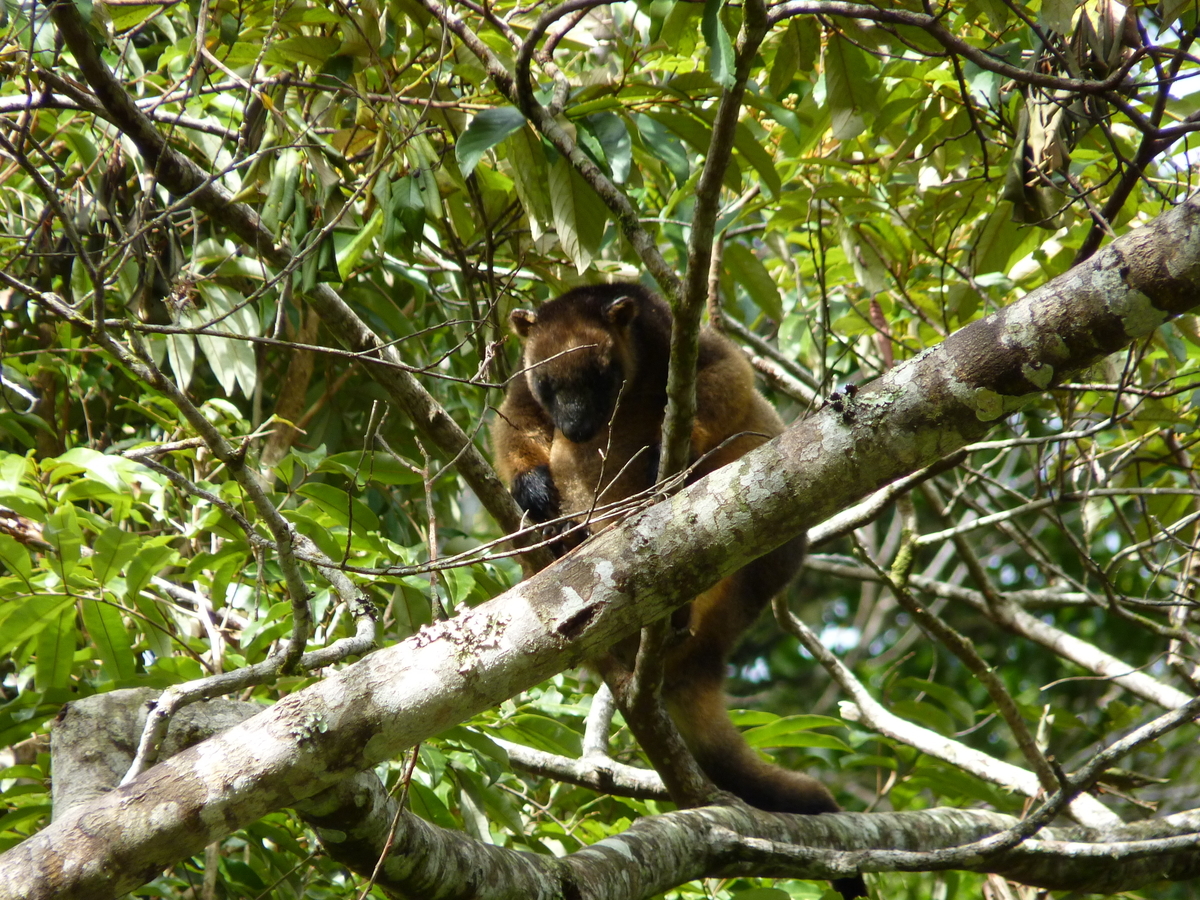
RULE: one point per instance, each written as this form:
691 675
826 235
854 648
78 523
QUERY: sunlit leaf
487 129
849 88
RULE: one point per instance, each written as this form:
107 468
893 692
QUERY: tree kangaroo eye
546 391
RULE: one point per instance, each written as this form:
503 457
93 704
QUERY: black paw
535 493
570 535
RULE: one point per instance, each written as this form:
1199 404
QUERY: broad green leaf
350 255
1056 14
411 606
748 271
495 803
125 17
339 505
232 360
720 47
460 582
695 132
311 50
1170 10
23 617
542 733
531 177
487 129
56 651
181 353
14 425
156 628
610 130
748 146
241 53
225 572
15 557
106 628
997 12
658 140
848 88
152 558
926 714
1000 240
955 784
786 62
795 731
679 26
476 740
111 471
579 215
63 532
404 216
113 549
426 804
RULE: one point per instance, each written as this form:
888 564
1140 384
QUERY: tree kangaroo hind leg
693 689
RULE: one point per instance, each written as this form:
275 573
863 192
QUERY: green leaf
181 354
113 549
848 90
152 558
22 618
720 47
476 741
62 532
111 639
678 29
531 177
786 62
426 804
350 255
404 216
459 582
610 130
311 50
795 731
13 424
997 12
659 141
56 651
15 558
1170 10
748 271
579 216
382 468
487 129
697 133
1000 240
225 572
1057 14
232 360
338 505
543 733
748 146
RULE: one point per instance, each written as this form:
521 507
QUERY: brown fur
596 367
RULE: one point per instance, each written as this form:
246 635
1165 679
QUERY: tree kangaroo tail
700 714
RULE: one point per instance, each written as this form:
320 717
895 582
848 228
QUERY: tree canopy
256 265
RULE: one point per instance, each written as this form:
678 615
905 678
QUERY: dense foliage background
888 185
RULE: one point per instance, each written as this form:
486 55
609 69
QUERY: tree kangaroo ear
621 311
522 320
